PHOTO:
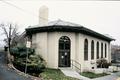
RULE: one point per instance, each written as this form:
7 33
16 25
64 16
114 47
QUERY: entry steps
72 73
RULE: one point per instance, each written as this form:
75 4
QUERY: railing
74 64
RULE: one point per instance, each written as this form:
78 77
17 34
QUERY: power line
22 9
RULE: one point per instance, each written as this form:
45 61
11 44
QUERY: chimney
43 16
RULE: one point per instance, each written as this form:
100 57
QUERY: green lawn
92 75
54 74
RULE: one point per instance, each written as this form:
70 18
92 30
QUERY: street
8 74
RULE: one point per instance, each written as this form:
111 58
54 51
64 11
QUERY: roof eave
77 29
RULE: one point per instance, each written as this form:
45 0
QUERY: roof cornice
59 28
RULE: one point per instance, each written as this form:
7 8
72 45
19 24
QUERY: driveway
8 74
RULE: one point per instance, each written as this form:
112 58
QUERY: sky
100 16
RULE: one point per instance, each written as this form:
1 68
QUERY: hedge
31 68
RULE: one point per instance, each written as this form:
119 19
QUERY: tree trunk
9 57
9 40
8 53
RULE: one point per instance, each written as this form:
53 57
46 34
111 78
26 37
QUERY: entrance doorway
64 52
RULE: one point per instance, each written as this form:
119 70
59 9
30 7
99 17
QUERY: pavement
72 73
7 73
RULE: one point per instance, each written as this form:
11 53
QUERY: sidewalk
73 73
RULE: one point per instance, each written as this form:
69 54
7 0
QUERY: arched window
64 42
97 46
86 49
105 50
64 52
101 50
92 49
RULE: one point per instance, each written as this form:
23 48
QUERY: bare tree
10 32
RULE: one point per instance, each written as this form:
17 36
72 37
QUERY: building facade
64 44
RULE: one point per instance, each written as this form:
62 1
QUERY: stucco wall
86 65
46 44
41 44
52 50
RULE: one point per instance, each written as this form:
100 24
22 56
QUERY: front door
64 52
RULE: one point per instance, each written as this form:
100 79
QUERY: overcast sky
100 16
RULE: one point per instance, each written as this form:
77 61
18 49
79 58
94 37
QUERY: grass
55 74
92 75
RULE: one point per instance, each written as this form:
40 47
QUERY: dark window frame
105 50
102 50
97 48
92 49
85 49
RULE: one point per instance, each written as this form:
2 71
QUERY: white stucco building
60 42
64 44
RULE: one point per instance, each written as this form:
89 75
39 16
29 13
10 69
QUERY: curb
22 73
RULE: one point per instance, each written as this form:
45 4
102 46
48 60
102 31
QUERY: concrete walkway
72 73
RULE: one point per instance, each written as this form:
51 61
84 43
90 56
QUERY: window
64 43
97 50
101 50
92 49
64 52
105 50
86 49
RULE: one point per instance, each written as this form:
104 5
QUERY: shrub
35 64
21 51
31 68
102 63
14 51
